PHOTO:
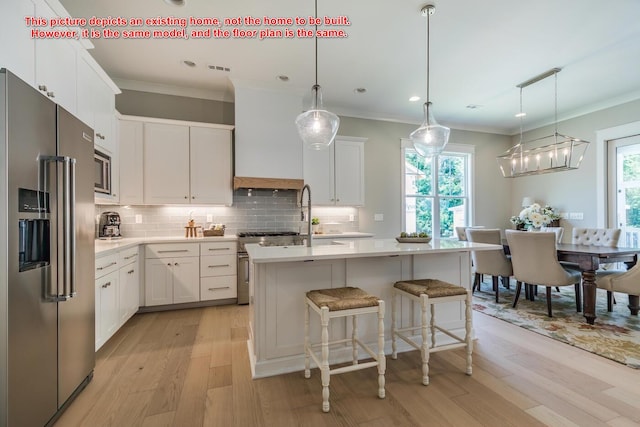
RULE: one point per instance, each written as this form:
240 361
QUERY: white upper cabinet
183 162
166 163
96 104
211 175
55 64
336 174
16 53
131 162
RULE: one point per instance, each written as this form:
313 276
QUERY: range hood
267 183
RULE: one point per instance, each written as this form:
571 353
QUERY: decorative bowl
413 239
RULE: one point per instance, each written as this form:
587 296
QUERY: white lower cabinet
172 273
117 292
129 284
218 271
106 307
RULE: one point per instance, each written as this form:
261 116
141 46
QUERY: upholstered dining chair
558 230
596 237
627 282
494 263
535 261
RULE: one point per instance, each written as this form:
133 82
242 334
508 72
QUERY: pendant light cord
428 39
555 80
316 37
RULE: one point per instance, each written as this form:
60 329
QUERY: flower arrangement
535 216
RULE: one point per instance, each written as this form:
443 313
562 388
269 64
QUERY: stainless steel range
264 238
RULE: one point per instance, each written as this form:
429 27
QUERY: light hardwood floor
190 368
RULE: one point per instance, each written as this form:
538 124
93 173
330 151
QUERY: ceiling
480 51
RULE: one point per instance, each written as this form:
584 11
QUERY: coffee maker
109 225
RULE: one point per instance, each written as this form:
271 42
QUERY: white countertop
105 247
344 235
359 248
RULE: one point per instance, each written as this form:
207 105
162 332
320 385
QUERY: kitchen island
281 275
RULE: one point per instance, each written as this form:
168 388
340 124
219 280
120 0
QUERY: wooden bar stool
427 293
341 302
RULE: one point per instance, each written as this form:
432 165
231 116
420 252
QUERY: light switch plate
138 219
209 218
378 217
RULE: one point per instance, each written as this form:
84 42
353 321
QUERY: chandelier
552 153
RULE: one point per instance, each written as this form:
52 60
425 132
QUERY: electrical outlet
564 215
378 217
209 218
138 219
576 215
352 217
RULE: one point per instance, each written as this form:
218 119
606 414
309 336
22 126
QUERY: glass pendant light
317 127
430 138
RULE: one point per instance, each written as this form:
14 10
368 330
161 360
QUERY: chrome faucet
306 186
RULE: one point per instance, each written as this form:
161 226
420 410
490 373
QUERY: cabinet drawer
218 288
127 256
172 250
218 248
106 265
217 265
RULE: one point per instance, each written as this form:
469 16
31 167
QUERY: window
436 191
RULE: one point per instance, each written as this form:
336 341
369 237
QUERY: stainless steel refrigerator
47 301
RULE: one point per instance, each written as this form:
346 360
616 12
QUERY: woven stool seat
426 293
339 303
342 298
433 288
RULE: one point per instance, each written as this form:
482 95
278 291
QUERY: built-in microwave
102 165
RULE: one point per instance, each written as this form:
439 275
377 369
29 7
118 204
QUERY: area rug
614 335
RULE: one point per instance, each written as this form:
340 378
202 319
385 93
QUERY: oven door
102 172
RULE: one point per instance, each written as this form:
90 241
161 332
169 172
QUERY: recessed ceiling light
414 98
521 114
360 90
282 78
175 2
473 106
189 63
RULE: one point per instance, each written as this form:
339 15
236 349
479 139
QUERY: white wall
383 166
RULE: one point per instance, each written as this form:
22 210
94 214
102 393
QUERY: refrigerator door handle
68 223
70 226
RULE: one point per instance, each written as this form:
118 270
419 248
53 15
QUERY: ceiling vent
219 68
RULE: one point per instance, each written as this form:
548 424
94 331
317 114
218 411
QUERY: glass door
624 204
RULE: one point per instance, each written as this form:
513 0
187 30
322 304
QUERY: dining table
588 259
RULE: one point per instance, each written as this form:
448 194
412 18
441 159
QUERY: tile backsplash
261 210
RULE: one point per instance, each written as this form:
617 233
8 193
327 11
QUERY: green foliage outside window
450 187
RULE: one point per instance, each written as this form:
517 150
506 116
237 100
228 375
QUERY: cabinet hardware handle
186 197
193 197
130 271
219 289
219 249
219 265
42 88
106 266
175 250
106 285
169 264
131 256
176 264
